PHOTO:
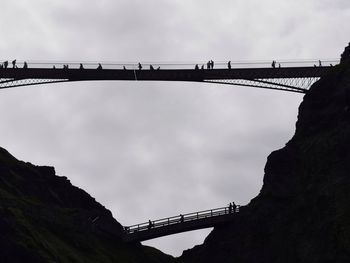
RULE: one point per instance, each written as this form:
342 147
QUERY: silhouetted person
150 224
212 64
229 65
234 207
6 63
208 64
25 65
140 66
181 218
81 66
196 67
99 66
273 64
14 63
54 67
230 208
151 67
279 65
319 63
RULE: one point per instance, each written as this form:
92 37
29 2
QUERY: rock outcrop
44 218
302 213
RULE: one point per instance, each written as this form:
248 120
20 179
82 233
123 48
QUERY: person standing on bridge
234 207
182 218
25 65
212 64
273 64
6 63
14 63
229 64
196 67
140 66
99 66
208 64
150 225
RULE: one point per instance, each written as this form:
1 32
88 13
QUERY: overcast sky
148 150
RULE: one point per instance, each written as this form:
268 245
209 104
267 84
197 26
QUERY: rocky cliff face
43 218
302 213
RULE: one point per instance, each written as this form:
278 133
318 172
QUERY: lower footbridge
286 76
179 224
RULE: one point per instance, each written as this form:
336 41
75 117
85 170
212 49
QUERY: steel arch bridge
293 76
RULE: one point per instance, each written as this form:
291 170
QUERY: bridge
179 224
295 76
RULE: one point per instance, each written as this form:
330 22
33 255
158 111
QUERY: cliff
302 213
44 218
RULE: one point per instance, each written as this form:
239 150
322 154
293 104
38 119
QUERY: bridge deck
162 75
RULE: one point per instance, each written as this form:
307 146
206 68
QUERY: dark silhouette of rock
302 213
44 218
345 57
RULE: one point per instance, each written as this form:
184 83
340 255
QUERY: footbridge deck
179 224
293 78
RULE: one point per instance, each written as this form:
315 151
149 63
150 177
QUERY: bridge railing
180 219
175 65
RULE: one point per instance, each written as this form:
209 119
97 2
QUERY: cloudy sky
148 150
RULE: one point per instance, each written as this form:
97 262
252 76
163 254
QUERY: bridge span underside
293 79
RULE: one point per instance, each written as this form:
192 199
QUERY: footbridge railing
180 223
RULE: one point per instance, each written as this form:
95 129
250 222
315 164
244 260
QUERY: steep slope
43 218
302 213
